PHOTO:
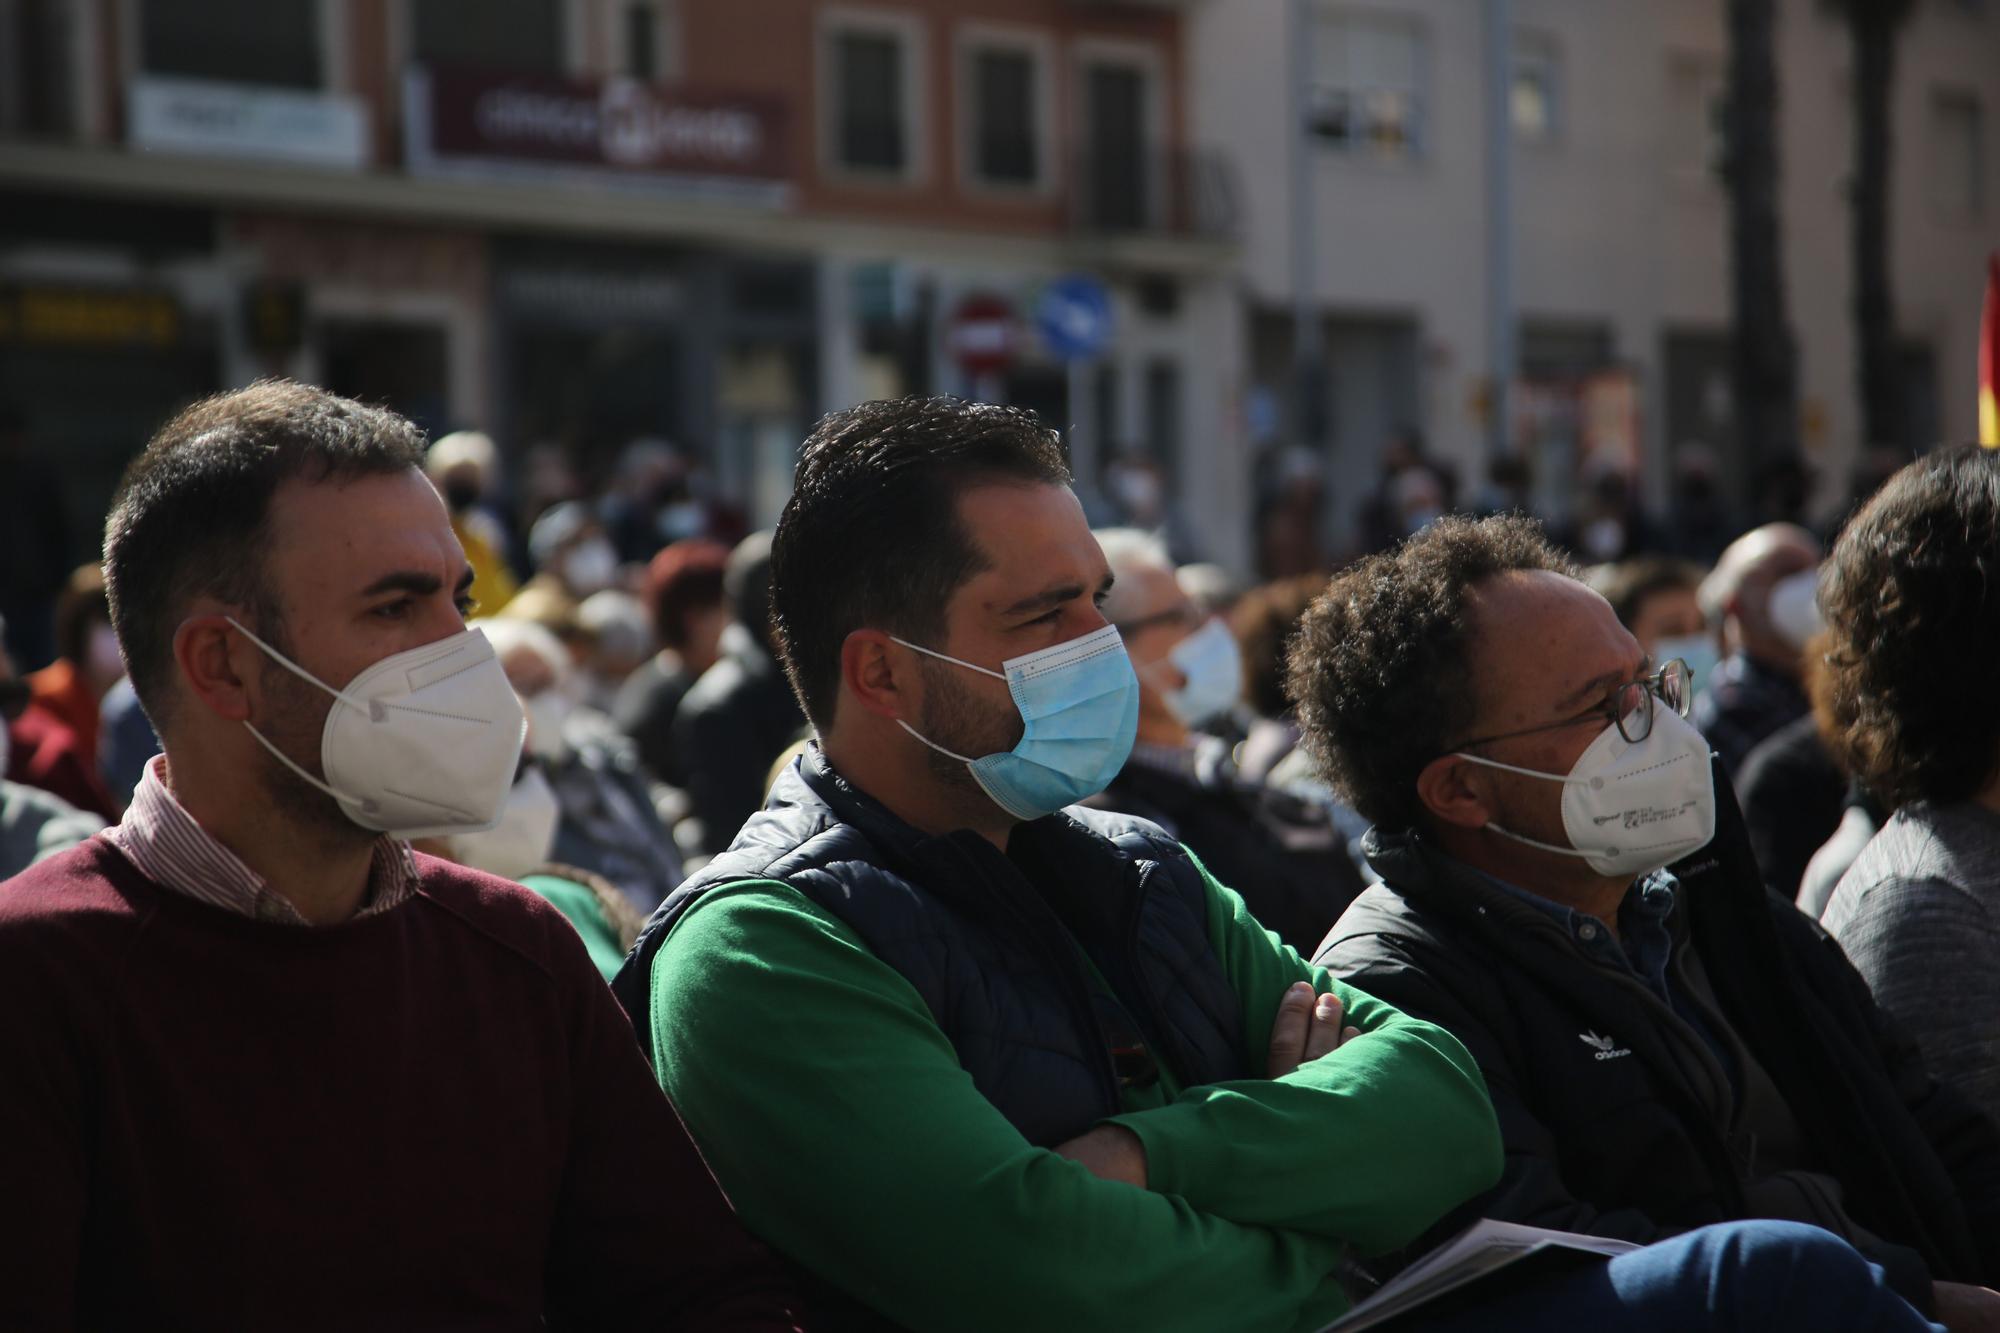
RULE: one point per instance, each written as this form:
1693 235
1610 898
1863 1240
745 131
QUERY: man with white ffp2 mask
1568 888
1761 596
1284 853
248 1037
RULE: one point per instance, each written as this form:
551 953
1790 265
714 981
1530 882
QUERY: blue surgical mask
1697 650
1080 702
1212 665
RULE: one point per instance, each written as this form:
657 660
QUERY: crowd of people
939 911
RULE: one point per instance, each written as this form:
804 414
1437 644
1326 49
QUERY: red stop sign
983 334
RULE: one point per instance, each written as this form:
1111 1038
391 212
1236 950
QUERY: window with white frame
869 96
1534 97
1958 154
1366 98
649 36
1696 97
1005 84
270 42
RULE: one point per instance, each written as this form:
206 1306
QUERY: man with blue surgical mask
975 1057
1568 888
1281 851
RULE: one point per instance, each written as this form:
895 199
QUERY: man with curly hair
1915 616
1665 1048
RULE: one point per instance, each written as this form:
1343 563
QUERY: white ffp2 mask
423 743
1632 807
520 843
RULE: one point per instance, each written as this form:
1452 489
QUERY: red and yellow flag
1989 358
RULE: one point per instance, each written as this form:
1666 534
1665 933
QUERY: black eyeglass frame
1620 706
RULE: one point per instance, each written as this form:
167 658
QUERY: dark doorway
396 365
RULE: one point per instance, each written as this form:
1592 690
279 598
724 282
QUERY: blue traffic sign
1073 316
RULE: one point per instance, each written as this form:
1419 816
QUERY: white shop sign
241 120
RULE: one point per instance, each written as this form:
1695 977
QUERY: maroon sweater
432 1118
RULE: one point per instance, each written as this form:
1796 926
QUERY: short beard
298 712
954 718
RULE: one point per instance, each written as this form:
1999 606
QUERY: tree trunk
1765 359
1872 27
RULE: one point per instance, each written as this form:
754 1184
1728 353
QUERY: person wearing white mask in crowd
609 825
1760 594
618 637
570 552
262 1065
1567 889
520 848
1284 851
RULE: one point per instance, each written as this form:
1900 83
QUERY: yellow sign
82 316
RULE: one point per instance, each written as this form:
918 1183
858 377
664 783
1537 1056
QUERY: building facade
1620 254
581 223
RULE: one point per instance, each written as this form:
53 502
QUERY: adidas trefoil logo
1607 1048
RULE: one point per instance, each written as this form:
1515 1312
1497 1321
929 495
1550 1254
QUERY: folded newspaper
1480 1250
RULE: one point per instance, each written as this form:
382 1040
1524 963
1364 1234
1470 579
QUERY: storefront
110 321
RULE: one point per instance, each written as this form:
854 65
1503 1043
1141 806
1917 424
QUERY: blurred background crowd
1293 277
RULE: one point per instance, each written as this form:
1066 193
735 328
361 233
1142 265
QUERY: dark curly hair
1912 598
1381 669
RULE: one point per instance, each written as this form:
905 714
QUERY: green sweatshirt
836 1115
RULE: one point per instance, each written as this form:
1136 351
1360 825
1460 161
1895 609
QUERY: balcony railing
1186 193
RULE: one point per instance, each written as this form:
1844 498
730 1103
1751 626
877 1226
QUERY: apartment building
1620 253
584 222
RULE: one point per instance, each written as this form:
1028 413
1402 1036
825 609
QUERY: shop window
870 90
1696 104
1120 162
1535 97
1957 155
1366 98
1163 411
37 62
517 35
270 42
651 34
1003 106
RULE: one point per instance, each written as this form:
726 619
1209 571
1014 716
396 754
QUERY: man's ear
877 672
1452 790
214 665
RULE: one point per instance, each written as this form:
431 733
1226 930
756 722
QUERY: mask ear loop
1563 778
366 807
1528 772
942 657
952 754
1545 846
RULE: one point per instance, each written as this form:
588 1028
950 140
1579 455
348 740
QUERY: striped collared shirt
166 844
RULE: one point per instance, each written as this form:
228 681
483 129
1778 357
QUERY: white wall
1608 227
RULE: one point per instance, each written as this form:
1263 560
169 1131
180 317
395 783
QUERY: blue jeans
1748 1276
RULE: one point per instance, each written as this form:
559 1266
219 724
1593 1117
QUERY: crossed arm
856 1143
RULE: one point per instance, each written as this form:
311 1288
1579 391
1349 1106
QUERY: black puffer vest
998 968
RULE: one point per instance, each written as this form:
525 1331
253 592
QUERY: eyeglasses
1629 708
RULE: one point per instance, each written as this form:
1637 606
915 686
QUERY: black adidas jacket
1628 1147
